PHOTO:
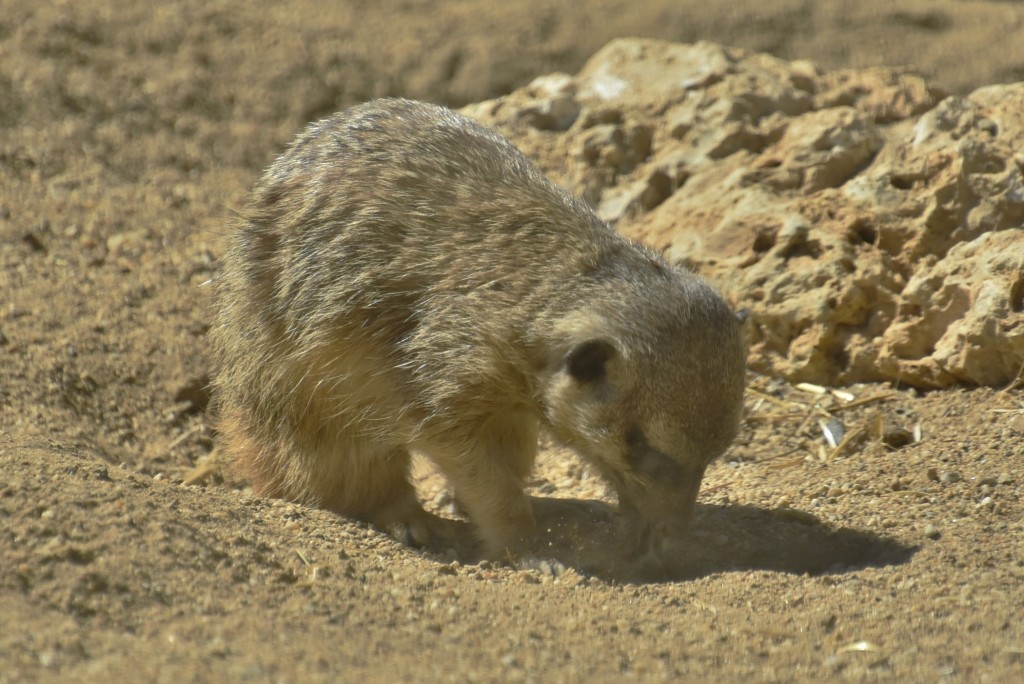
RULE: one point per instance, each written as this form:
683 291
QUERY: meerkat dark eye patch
587 361
650 463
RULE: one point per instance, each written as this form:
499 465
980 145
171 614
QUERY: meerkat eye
587 361
659 467
647 461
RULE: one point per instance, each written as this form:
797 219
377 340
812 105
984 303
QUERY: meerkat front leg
488 468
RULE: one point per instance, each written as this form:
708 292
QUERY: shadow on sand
584 535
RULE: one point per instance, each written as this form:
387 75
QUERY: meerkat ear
587 360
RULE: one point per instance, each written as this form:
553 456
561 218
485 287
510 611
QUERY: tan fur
405 279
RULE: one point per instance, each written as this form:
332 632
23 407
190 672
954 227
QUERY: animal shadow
586 536
743 537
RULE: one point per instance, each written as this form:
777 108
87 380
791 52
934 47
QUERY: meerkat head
650 392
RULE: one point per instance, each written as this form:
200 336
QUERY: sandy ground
127 137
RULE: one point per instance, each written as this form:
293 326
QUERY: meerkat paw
548 528
569 533
420 529
571 518
551 567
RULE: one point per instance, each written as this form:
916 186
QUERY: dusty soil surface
127 138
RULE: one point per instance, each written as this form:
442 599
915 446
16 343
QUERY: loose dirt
129 134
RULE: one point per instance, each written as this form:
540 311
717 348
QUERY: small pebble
795 515
950 477
897 437
988 125
932 532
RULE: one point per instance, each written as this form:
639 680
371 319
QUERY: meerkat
403 279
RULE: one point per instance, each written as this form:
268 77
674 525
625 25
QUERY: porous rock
872 226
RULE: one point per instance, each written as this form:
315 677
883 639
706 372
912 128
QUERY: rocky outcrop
873 227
